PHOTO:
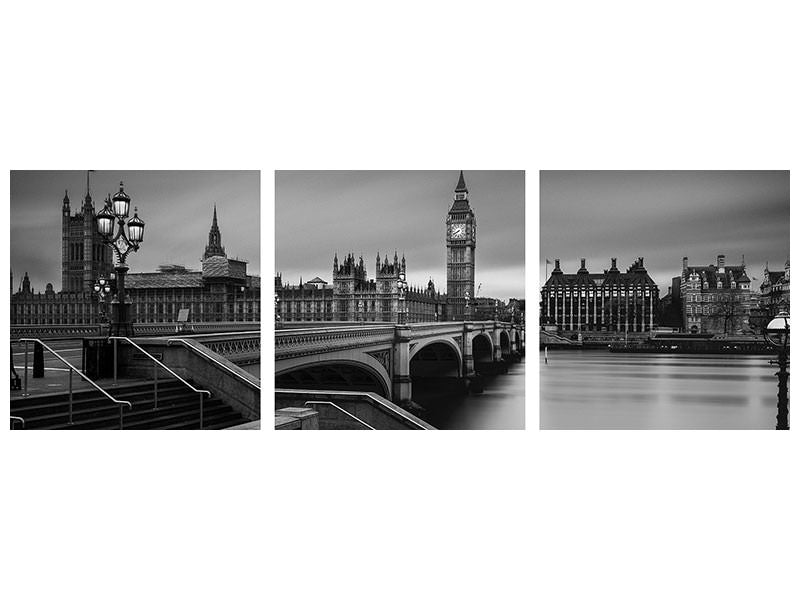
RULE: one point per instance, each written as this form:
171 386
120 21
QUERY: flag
547 261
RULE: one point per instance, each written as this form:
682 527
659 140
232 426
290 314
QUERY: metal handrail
156 364
336 406
383 402
71 369
20 419
214 360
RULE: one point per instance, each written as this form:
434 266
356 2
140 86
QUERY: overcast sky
176 206
363 212
664 216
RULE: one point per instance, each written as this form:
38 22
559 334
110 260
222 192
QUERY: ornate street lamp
277 312
777 335
466 306
402 288
104 288
360 310
123 243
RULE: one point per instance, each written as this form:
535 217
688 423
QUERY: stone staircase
178 408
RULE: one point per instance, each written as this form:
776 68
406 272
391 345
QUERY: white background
413 85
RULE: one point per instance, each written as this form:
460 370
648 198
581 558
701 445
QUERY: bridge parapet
291 343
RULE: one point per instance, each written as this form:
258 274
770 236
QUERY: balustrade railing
157 363
71 369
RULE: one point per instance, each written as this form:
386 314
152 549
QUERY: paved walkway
57 382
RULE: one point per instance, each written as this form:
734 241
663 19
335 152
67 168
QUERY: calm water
500 406
595 389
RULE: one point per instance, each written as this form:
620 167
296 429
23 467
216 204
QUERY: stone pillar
571 307
401 376
497 354
466 351
651 310
602 307
547 301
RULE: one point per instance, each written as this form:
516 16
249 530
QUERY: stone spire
214 247
461 186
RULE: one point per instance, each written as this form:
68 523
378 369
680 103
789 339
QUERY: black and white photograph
400 300
135 300
664 300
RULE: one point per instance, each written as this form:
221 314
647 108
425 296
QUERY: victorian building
774 296
461 237
220 291
715 298
607 301
84 256
354 297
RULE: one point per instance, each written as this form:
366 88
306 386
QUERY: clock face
458 231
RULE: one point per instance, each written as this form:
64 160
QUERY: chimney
613 263
720 262
558 264
583 264
685 262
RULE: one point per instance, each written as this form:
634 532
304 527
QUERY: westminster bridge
386 358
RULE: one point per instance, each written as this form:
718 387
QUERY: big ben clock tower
460 237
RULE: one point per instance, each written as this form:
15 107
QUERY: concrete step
178 408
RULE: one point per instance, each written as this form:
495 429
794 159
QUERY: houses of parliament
352 296
220 291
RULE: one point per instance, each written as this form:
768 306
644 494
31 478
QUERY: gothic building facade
84 256
220 291
607 301
354 297
461 234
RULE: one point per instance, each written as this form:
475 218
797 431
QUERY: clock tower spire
460 241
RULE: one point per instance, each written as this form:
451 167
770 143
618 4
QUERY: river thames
500 406
595 389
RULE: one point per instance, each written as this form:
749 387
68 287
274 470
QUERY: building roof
636 274
221 266
317 280
461 186
188 279
711 275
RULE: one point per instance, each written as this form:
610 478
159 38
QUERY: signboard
183 315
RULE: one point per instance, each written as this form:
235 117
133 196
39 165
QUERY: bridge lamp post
466 306
402 288
360 310
116 212
103 288
777 335
277 312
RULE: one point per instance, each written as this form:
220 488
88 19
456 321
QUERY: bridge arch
444 352
337 374
505 344
482 349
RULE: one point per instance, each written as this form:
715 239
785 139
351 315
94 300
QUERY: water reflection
595 389
500 406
